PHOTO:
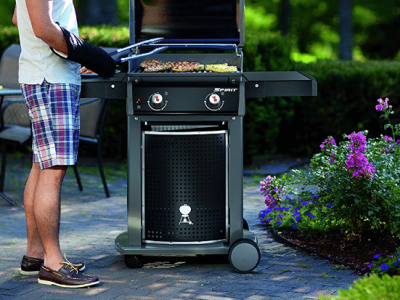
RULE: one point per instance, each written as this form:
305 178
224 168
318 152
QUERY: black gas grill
185 131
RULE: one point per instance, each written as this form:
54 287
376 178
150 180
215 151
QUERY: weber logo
223 90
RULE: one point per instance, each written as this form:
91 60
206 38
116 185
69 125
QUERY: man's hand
88 55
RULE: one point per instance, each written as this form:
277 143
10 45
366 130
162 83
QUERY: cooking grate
185 170
141 71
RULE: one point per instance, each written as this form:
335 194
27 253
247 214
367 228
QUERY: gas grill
185 131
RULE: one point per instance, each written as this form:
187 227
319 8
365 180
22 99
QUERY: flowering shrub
356 183
295 213
386 265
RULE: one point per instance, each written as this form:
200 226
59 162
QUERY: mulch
354 251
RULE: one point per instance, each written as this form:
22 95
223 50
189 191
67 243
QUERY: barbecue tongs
133 50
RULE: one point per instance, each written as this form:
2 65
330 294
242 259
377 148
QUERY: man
49 74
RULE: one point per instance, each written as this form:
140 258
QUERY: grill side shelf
279 84
109 88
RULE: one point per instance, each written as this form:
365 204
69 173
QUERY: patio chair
16 127
9 67
93 114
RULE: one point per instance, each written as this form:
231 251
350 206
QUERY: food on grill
155 65
211 66
221 68
146 63
85 70
168 65
186 66
154 68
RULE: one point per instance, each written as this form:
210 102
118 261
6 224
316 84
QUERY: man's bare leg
34 247
43 213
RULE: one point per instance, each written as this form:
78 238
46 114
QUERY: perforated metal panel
185 186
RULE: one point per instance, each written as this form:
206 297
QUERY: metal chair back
9 67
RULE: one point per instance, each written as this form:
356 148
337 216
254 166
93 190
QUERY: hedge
347 94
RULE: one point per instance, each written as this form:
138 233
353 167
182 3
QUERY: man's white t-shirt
37 62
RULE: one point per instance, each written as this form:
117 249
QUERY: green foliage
370 288
315 23
106 36
346 92
8 36
6 12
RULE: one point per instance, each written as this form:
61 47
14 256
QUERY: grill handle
131 57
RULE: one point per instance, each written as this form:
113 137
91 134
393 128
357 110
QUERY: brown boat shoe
67 276
31 265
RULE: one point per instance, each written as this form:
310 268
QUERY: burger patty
146 63
186 66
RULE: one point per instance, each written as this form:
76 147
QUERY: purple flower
295 214
395 264
384 267
311 216
383 105
388 138
280 216
358 141
376 256
370 265
298 219
279 223
358 163
328 143
294 226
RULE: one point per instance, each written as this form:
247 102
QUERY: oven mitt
92 57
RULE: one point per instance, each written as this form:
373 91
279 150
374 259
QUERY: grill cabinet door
185 186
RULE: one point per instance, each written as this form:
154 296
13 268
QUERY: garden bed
352 251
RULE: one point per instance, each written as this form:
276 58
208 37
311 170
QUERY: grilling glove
88 55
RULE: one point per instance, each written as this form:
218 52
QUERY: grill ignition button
157 101
213 102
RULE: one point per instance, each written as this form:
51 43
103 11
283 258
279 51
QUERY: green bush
346 93
370 288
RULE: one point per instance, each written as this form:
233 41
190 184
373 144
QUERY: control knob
156 101
213 102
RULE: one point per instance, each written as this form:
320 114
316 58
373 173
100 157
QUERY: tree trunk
285 17
97 12
345 29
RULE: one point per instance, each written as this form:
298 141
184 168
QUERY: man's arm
14 18
40 13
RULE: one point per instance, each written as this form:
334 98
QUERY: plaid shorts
54 113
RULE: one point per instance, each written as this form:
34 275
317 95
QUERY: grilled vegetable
221 68
211 66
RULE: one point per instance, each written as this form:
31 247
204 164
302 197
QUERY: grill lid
188 22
